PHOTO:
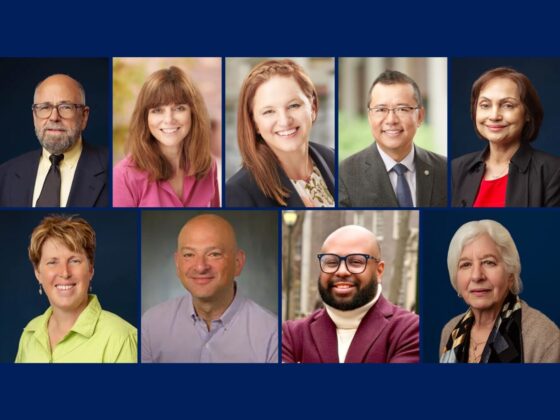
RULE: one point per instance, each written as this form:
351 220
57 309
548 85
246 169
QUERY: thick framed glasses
355 263
399 111
64 109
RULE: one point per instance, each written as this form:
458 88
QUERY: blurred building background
321 72
355 76
303 233
129 74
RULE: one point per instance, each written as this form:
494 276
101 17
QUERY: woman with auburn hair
507 113
169 162
74 329
278 105
498 327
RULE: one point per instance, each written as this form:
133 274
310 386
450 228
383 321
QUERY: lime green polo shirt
97 336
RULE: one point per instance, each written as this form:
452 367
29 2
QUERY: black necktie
404 197
50 194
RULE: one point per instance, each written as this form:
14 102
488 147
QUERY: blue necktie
404 196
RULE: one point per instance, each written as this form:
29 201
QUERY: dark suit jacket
363 180
534 178
386 334
89 187
243 191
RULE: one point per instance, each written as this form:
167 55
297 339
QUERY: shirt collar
389 162
521 158
351 319
228 314
71 156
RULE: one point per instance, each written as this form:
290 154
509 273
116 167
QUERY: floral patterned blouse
314 191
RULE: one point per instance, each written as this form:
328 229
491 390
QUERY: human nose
55 116
201 264
495 113
64 271
342 270
391 115
477 272
284 118
168 116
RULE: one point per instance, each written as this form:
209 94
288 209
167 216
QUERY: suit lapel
24 180
371 326
323 333
424 179
89 179
378 191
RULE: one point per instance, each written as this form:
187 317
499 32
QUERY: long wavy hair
164 87
258 157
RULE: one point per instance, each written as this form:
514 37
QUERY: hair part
527 93
394 77
501 237
72 231
258 158
165 87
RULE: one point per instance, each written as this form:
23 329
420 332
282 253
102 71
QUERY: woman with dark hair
506 112
169 162
278 105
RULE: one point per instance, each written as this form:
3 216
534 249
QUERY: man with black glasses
357 324
66 171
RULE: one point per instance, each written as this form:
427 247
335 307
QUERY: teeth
286 132
169 130
64 286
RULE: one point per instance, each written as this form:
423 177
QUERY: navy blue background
535 238
114 281
18 79
544 73
383 29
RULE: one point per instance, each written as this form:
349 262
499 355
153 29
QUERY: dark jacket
534 178
243 191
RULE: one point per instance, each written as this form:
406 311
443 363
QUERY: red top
492 193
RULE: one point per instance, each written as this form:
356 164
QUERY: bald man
66 171
212 322
357 324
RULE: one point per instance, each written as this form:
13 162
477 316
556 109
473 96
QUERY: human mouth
343 287
392 133
64 287
494 127
169 130
479 292
202 280
287 133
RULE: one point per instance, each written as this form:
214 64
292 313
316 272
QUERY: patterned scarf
505 342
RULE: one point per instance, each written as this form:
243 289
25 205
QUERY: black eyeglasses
64 109
355 263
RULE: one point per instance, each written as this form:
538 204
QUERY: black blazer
534 178
89 186
243 191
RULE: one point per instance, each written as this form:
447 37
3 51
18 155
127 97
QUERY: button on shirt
67 170
245 333
410 175
97 336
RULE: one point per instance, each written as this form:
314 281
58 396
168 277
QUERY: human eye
215 254
268 112
66 107
464 264
356 260
483 105
187 254
181 108
330 261
43 107
76 260
403 110
489 263
381 110
157 110
294 106
509 105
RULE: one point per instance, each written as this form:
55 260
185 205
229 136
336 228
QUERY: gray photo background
257 235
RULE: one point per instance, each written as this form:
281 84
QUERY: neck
296 164
211 310
63 320
485 319
397 155
502 153
172 155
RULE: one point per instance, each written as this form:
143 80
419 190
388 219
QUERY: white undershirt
347 323
410 175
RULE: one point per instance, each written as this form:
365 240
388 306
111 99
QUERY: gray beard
58 144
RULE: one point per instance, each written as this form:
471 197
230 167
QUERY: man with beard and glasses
357 324
66 172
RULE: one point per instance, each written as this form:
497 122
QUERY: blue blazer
242 189
89 187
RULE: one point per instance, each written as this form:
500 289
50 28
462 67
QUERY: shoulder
431 158
398 317
21 160
534 320
299 326
325 151
115 325
355 163
35 324
101 152
465 161
448 327
544 159
242 189
127 169
261 315
164 312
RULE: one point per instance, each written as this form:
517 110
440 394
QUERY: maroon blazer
387 334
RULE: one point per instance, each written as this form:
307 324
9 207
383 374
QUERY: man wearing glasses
66 172
393 172
357 324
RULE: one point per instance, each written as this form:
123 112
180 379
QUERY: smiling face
283 115
57 134
500 113
207 259
170 124
342 289
482 279
394 133
65 276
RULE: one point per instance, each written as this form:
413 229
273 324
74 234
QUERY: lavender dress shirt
246 333
133 188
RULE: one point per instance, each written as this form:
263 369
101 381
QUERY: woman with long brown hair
278 105
168 162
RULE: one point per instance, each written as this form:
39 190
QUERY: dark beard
363 295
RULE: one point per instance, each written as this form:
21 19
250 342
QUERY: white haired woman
498 327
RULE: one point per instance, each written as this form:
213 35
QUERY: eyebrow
481 258
508 98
